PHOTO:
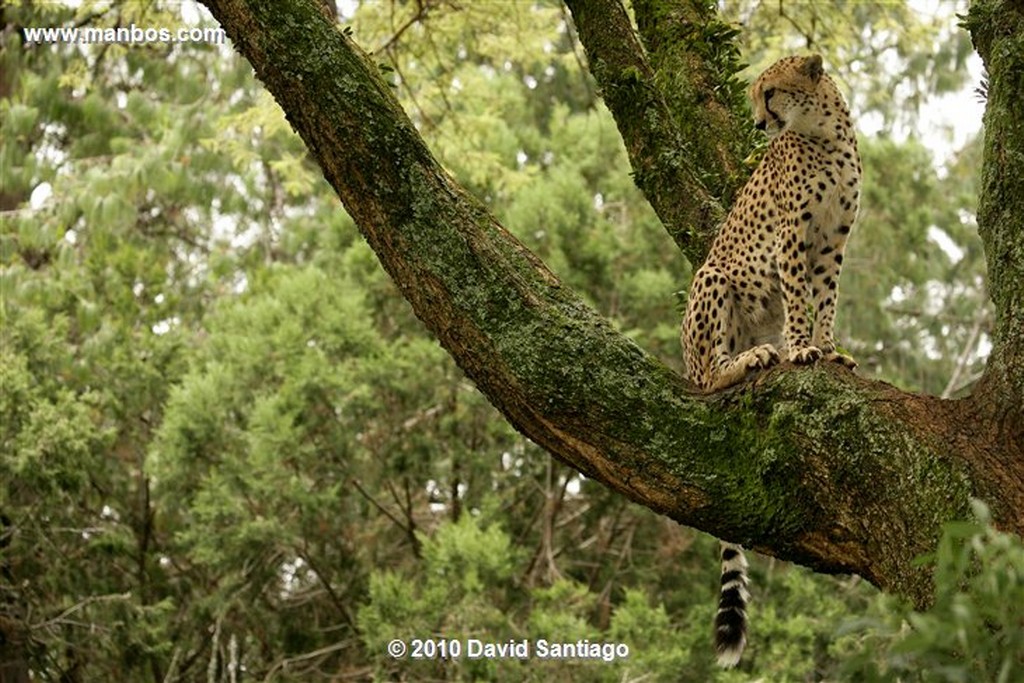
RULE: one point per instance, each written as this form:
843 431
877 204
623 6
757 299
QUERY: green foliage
656 646
458 594
973 631
447 600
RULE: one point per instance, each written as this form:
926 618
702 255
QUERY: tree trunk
814 465
997 29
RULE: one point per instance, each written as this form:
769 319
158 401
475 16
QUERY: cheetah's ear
812 68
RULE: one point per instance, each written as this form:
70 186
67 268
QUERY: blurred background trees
228 450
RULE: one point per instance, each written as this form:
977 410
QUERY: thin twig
308 655
410 531
964 359
373 501
60 618
421 13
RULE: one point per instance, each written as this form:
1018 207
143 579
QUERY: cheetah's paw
763 356
733 372
841 358
804 355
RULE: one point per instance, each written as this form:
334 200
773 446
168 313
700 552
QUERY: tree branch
997 29
665 100
815 465
696 60
687 208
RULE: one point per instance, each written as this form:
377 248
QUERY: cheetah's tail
731 620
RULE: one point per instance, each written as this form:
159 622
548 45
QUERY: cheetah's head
785 95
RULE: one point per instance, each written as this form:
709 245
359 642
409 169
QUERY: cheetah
768 287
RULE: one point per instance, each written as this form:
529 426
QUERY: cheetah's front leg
826 262
790 258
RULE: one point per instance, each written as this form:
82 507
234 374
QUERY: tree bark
814 465
997 29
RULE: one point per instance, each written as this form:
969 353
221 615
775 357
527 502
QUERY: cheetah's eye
768 94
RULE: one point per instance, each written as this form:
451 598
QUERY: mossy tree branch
997 28
695 61
667 86
663 167
813 465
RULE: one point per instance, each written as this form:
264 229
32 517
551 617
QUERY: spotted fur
770 282
768 288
